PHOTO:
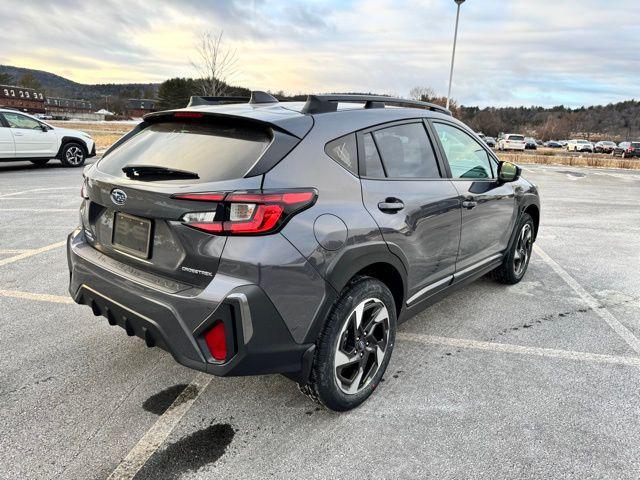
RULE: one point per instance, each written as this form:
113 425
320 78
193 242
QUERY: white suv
579 146
24 137
512 141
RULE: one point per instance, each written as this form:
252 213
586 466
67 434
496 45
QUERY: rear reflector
216 341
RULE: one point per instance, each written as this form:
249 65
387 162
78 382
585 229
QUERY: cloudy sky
510 52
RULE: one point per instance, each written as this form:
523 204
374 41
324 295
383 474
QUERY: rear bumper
174 316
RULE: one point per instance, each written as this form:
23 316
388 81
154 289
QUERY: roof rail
329 103
255 98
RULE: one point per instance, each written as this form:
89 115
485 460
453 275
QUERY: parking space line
14 250
160 431
30 253
509 348
40 297
596 306
38 209
12 194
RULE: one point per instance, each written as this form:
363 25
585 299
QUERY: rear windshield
213 151
515 137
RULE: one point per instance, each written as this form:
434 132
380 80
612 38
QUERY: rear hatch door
131 213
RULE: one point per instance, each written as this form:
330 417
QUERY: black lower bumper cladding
269 348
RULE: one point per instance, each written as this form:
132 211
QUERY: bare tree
428 94
216 64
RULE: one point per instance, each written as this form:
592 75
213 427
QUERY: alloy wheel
523 249
361 346
74 155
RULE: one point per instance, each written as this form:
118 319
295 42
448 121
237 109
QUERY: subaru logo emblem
118 196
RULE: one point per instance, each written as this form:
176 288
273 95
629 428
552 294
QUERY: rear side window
213 151
372 163
406 151
344 151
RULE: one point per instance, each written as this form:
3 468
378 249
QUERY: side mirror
44 128
508 172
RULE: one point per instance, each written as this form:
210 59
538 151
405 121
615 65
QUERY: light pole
453 54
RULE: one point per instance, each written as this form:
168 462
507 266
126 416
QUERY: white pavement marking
160 430
38 210
14 250
596 306
507 348
40 297
30 253
12 194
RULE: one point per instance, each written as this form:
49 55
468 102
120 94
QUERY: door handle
469 204
391 205
18 134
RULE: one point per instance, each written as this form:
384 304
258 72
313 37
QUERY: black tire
73 155
328 382
39 162
517 259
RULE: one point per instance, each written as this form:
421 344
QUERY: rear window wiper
152 172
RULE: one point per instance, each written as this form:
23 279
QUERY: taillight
247 213
216 341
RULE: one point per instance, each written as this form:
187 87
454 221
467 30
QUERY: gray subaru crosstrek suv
265 237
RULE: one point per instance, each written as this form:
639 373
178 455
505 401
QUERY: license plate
131 234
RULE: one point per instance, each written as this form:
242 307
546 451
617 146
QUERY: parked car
530 143
579 146
627 149
604 147
552 144
563 142
511 141
293 238
24 137
490 141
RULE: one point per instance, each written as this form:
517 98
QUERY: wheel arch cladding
391 277
375 261
534 212
67 140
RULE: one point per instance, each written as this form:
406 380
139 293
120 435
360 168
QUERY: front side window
16 120
406 151
467 158
344 151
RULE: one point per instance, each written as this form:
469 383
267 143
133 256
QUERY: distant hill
57 86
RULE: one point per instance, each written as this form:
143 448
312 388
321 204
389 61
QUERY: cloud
545 52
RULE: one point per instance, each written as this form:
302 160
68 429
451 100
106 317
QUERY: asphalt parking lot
537 380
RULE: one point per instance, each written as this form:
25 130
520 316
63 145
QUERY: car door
30 139
415 206
488 205
7 149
